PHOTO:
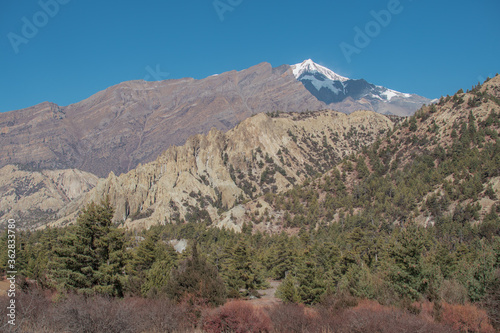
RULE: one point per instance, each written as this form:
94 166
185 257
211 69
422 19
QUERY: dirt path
268 296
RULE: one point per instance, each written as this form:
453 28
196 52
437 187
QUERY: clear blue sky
431 48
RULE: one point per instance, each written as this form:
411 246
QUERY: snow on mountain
308 66
332 88
389 93
318 84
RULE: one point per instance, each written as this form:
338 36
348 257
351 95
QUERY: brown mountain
133 122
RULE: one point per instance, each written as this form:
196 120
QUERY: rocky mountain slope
439 166
133 122
214 173
33 197
347 95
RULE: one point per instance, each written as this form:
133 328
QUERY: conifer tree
158 276
241 270
408 274
196 279
91 255
144 255
287 291
282 258
311 284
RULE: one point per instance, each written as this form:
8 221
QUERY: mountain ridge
346 95
134 121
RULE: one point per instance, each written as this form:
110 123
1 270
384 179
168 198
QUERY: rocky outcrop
210 174
33 198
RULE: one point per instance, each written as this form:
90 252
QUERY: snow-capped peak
309 66
389 93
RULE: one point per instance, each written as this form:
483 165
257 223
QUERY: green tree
282 258
158 276
361 168
197 280
90 256
287 291
311 285
145 253
241 271
413 124
407 273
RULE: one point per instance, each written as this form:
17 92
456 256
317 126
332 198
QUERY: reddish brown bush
33 312
370 316
466 318
292 318
339 301
162 315
95 314
36 312
237 317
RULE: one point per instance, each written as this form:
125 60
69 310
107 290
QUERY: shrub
162 315
33 312
291 318
238 317
466 318
76 313
370 316
79 314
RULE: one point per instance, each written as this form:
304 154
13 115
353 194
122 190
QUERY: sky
63 51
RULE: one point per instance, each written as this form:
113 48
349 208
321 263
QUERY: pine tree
407 272
144 255
241 271
287 291
413 124
311 284
158 276
90 257
282 258
196 279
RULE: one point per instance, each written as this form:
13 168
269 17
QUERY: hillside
441 164
212 173
33 197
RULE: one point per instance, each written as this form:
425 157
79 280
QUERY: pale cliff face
32 198
212 173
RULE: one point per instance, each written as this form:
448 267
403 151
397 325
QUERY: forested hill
440 166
